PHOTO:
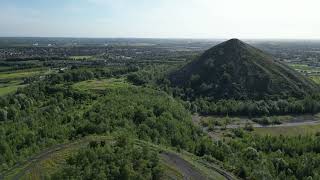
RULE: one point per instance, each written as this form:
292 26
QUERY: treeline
276 157
11 66
38 58
151 75
309 104
266 157
81 74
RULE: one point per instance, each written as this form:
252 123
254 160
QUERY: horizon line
166 38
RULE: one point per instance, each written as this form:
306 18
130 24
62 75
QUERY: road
185 168
285 124
31 162
296 121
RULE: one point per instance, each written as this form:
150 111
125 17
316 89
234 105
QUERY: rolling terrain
85 118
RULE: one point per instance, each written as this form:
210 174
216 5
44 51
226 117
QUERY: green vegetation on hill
148 114
45 113
237 70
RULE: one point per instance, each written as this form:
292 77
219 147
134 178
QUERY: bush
248 127
3 115
238 132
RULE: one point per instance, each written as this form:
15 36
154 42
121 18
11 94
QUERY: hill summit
234 69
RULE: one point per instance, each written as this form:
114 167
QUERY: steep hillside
234 69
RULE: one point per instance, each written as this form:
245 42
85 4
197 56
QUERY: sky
246 19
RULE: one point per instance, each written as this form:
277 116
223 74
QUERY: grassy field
316 79
10 87
288 131
5 68
101 84
302 67
18 74
10 81
305 67
312 71
81 57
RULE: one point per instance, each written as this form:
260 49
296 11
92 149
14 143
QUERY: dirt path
184 167
296 121
189 172
285 124
20 169
290 124
31 162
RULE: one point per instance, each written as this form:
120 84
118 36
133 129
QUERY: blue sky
295 19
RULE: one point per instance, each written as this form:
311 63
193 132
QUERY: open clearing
316 79
18 74
10 81
81 57
290 126
11 87
289 130
100 84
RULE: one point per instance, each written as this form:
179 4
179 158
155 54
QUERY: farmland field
12 80
289 131
19 74
81 57
10 87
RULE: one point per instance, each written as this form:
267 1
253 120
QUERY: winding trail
296 121
189 172
186 169
33 161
